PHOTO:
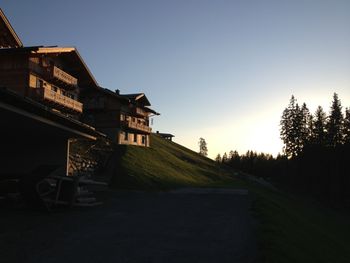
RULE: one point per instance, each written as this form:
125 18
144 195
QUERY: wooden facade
53 76
123 117
58 78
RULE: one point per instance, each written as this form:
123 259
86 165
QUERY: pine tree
218 158
296 126
203 149
286 124
335 123
347 126
319 127
234 159
224 158
231 155
306 126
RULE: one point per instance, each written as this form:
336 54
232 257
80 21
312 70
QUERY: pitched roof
8 36
113 94
137 97
128 98
165 135
70 54
141 98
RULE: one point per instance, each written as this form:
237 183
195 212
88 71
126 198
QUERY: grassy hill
164 165
290 229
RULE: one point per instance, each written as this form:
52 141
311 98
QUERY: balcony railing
56 98
137 126
55 73
63 76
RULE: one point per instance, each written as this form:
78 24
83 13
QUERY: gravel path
188 225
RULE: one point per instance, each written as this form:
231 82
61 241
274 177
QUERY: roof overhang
43 117
8 36
151 111
165 134
138 97
72 54
110 93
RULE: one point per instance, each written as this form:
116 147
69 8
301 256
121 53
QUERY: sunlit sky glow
221 70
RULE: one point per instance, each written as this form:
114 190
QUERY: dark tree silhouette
287 127
316 154
218 158
230 155
306 126
347 126
203 149
335 123
294 128
224 158
319 127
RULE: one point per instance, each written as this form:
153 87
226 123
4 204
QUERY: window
39 83
122 117
126 135
135 137
143 139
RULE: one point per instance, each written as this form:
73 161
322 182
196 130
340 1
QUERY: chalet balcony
137 126
62 76
60 100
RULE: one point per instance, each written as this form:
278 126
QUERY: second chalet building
123 117
58 78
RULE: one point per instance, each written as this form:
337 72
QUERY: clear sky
217 69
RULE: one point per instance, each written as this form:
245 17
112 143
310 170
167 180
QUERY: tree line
316 152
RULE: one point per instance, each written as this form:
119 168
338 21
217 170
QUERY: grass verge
292 229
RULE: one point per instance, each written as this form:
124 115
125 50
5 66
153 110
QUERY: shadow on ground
184 226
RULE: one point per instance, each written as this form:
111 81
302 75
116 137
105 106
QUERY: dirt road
183 226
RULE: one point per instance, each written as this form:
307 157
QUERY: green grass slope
164 165
290 229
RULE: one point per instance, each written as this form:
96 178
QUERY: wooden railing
52 96
137 126
63 76
53 73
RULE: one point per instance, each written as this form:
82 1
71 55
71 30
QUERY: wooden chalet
58 78
125 118
53 76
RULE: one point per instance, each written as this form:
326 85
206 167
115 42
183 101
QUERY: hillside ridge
164 165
